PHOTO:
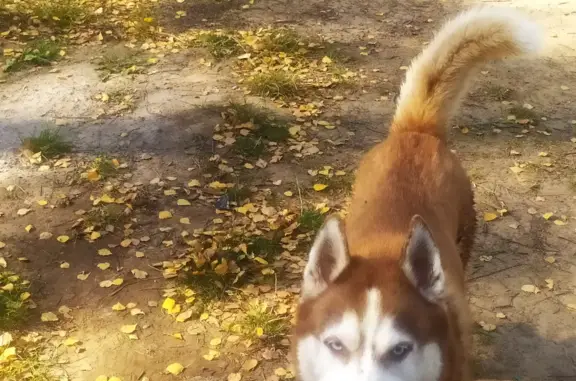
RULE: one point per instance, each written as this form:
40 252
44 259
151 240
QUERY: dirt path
167 128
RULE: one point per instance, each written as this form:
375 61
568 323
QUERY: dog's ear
422 263
327 259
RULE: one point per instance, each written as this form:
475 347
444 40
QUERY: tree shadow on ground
232 14
517 352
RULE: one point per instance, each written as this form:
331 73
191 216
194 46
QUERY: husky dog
383 295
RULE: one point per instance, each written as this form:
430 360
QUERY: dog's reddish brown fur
413 172
409 173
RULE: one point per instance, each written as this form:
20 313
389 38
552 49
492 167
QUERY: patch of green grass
40 52
485 338
107 214
310 220
212 280
263 247
240 113
499 93
219 44
27 365
523 113
119 62
249 146
121 101
61 13
283 40
49 141
267 126
13 307
260 322
336 53
238 193
207 284
275 84
142 21
104 166
341 183
274 133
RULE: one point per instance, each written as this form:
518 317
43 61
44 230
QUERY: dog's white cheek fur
316 363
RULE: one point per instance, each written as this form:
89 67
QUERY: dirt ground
523 164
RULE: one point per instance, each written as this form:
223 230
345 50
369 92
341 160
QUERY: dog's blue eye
334 344
400 351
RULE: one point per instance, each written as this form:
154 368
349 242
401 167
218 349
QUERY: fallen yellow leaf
104 252
211 355
234 377
261 260
131 328
547 215
163 215
490 216
249 365
49 317
320 187
71 342
118 307
216 341
103 265
530 288
107 199
183 202
45 235
63 239
168 304
175 368
217 185
181 318
280 372
23 211
139 274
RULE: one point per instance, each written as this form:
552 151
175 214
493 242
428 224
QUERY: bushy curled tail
440 76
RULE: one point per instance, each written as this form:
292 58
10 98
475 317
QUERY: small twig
494 272
300 196
130 284
522 244
567 239
154 268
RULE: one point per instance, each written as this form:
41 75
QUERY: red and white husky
383 295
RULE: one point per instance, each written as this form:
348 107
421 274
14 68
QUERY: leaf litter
253 241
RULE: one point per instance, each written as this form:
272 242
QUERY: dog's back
383 296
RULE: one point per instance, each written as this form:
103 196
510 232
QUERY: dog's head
372 318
